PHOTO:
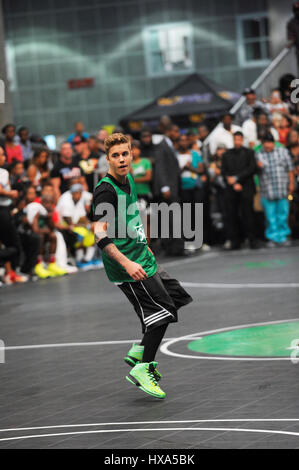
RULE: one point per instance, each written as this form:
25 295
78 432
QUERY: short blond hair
116 139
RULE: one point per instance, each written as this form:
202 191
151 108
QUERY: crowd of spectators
245 171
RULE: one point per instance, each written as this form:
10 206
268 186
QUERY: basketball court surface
229 366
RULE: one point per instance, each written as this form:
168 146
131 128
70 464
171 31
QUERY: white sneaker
285 243
205 247
70 269
227 245
191 248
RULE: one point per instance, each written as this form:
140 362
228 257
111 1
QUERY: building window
168 49
253 39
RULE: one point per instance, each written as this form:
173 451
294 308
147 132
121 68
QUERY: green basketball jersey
129 236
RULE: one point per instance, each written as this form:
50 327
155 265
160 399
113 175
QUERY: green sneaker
143 376
134 357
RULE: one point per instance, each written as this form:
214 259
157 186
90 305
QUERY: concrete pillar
6 114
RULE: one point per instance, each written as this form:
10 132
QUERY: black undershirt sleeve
106 194
102 195
104 242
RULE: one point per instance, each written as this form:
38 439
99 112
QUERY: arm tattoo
113 252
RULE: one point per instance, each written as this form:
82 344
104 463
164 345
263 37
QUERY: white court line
134 423
165 347
240 286
67 345
103 431
169 341
190 260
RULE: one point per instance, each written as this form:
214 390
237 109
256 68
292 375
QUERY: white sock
89 254
79 255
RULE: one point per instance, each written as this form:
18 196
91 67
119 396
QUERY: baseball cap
268 137
247 91
76 187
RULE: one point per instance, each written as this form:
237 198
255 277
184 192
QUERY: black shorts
157 299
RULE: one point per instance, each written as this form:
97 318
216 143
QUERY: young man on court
130 264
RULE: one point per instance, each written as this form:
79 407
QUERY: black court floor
63 380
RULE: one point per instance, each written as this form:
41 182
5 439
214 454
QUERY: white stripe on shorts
154 300
159 318
151 317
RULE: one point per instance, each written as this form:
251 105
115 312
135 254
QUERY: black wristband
104 242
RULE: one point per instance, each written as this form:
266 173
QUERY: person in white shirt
73 203
223 134
6 193
39 216
276 104
73 207
8 233
103 166
254 128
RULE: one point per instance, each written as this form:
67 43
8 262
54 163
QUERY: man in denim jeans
276 182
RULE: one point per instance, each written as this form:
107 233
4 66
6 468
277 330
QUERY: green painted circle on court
259 341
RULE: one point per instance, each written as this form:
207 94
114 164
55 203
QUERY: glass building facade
128 48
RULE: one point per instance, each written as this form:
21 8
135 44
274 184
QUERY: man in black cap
293 30
247 108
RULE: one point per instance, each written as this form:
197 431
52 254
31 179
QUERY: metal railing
265 74
273 66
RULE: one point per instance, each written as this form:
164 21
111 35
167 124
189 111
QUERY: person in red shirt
48 190
284 129
13 151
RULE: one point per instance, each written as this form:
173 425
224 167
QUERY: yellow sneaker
56 270
143 375
42 272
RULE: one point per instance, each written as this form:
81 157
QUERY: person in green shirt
141 171
130 263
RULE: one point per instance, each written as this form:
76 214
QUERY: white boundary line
165 347
133 423
200 257
68 345
240 286
103 431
